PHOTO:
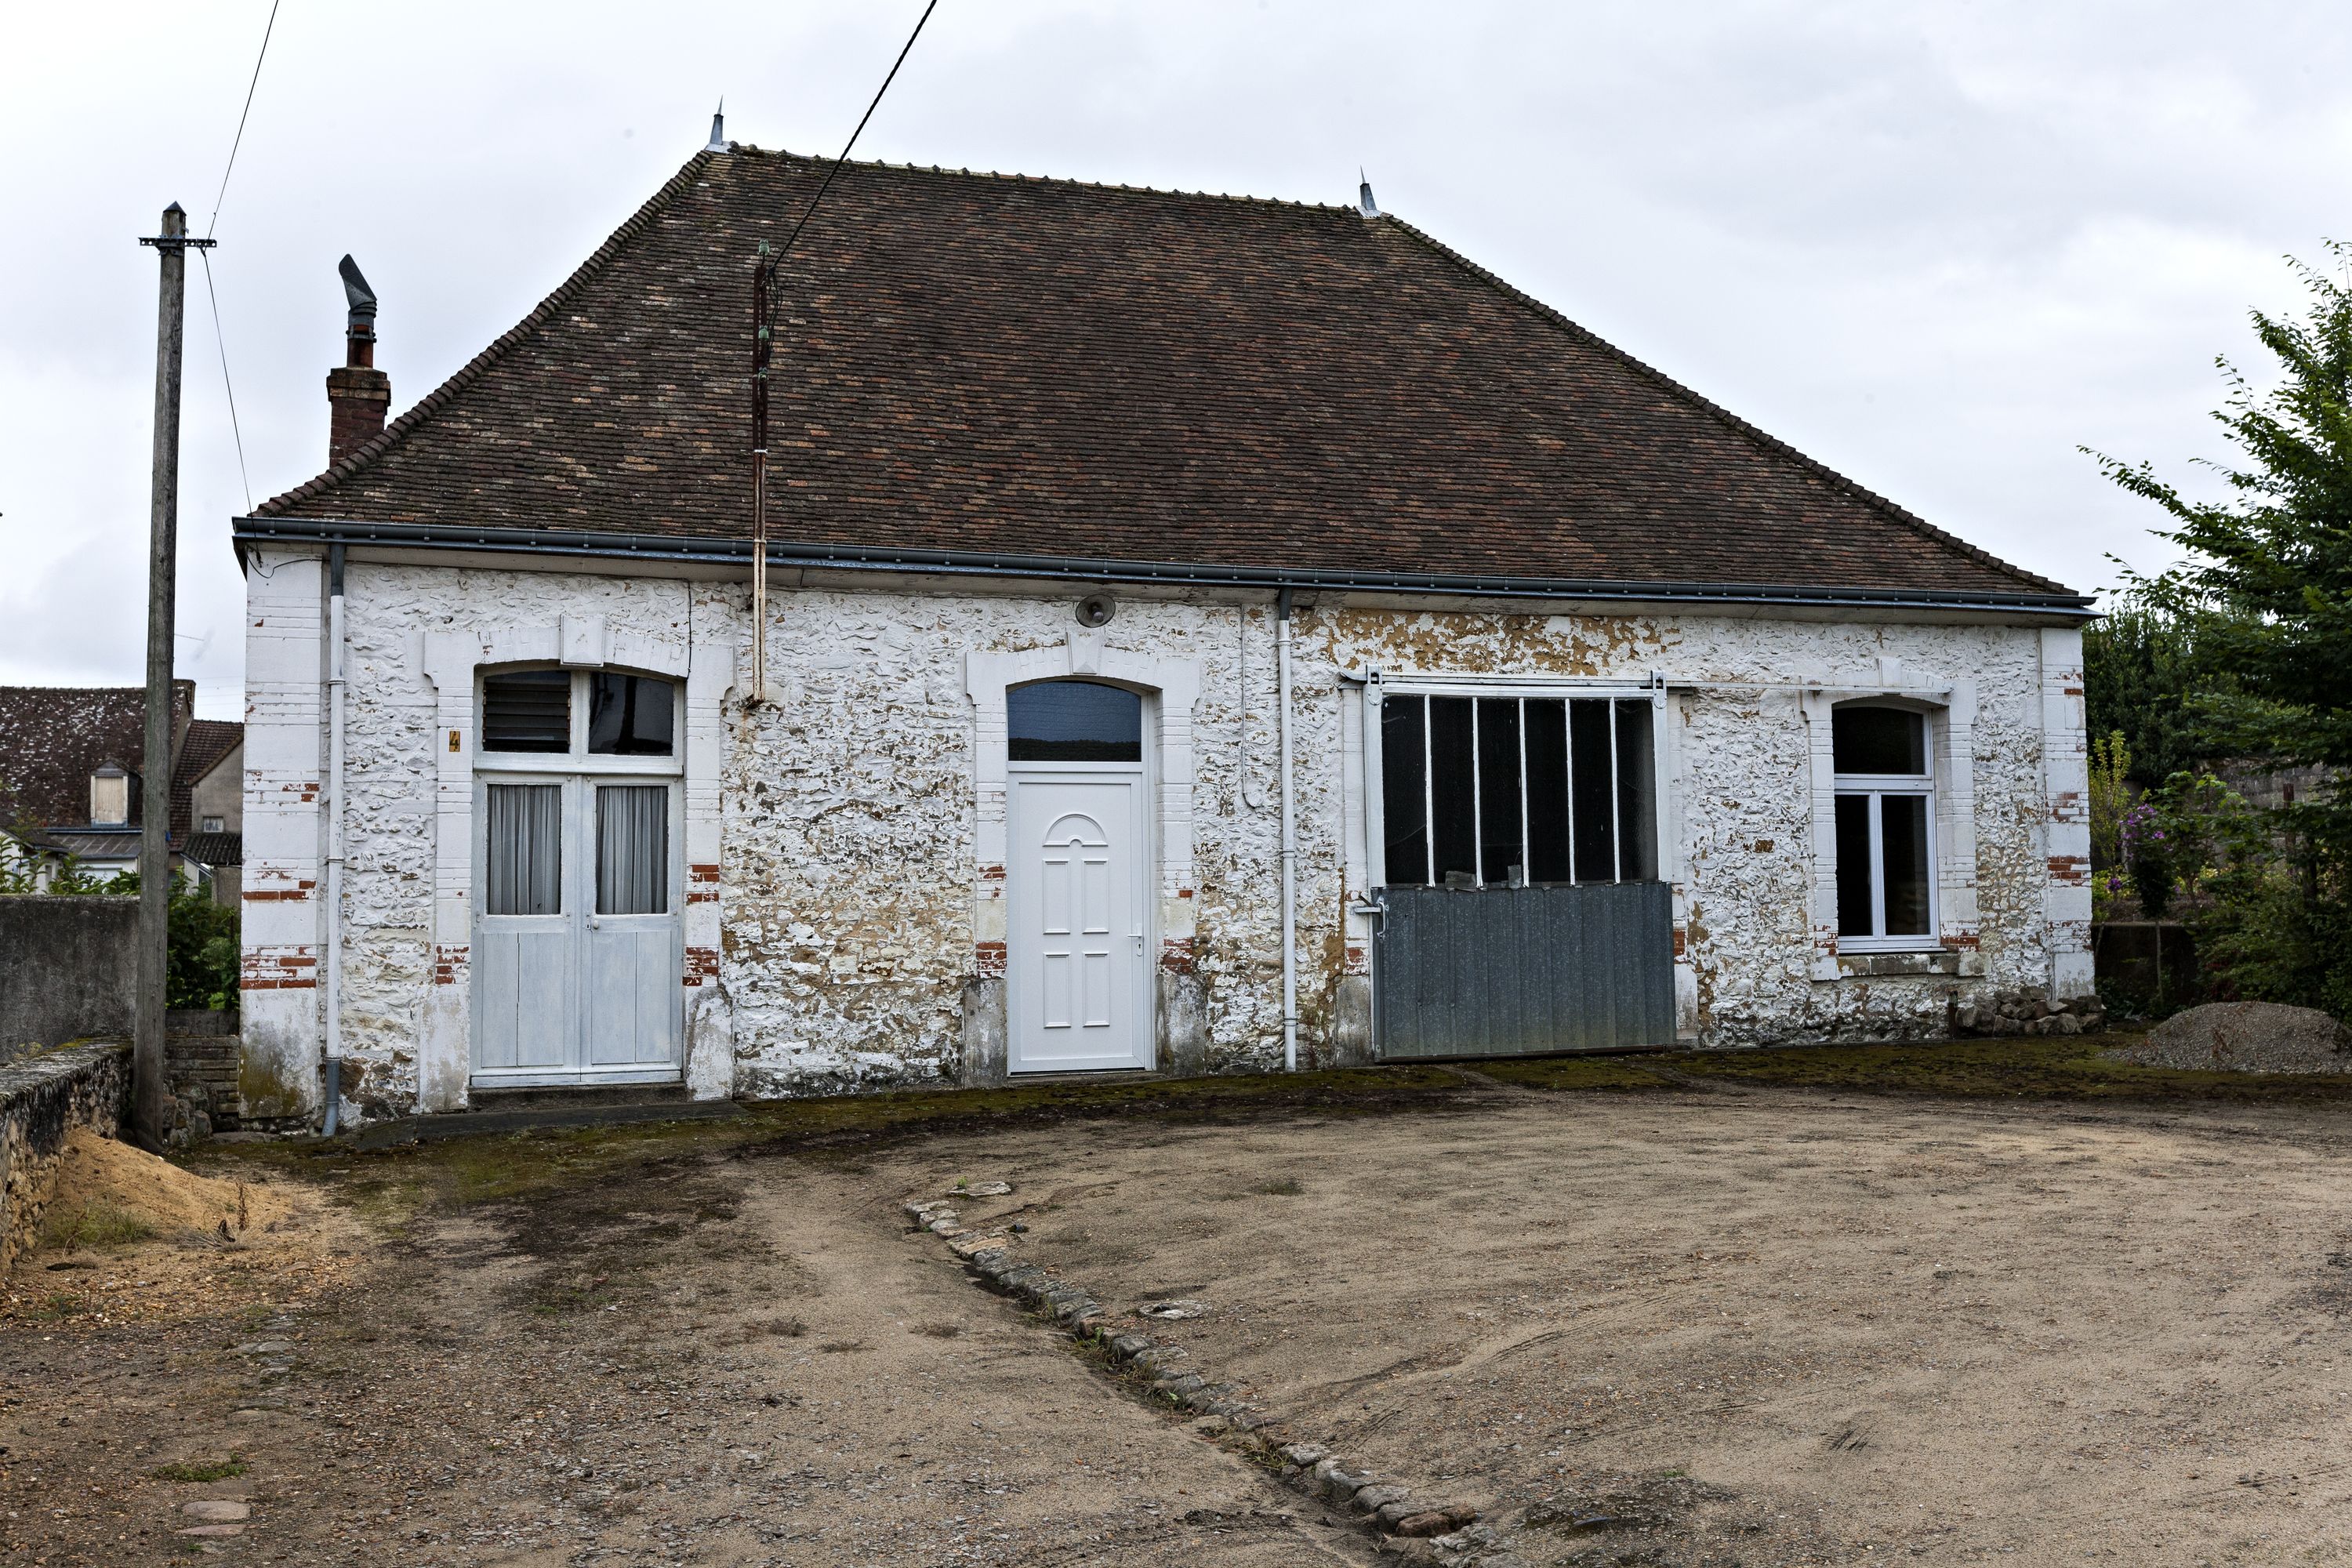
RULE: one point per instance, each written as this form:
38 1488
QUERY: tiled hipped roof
52 737
983 363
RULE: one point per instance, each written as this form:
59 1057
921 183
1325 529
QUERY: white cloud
1939 246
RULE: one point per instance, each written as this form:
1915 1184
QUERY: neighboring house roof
87 844
52 737
217 849
205 744
981 367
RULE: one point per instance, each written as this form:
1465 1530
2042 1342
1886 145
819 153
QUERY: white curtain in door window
632 849
526 868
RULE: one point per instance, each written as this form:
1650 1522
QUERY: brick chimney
358 394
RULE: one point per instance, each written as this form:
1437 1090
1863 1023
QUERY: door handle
1139 944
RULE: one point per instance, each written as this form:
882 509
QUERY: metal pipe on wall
1289 836
332 994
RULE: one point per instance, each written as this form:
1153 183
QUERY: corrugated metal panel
1508 971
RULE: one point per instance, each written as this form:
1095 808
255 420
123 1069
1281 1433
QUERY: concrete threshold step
599 1113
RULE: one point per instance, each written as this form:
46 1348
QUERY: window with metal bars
1488 792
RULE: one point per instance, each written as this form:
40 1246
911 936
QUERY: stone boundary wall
42 1097
68 967
201 1069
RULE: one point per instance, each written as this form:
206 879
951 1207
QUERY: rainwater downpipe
333 966
1289 834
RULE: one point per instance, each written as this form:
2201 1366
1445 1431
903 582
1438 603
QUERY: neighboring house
69 783
1610 720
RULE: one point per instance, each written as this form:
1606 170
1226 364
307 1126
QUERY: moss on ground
2038 1068
390 1185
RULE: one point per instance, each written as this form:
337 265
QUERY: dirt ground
1714 1324
1761 1326
722 1360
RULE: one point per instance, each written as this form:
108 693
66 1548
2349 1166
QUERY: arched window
1074 721
1885 826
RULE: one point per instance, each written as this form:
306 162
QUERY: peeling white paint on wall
850 914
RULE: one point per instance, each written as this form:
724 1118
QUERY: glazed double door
577 941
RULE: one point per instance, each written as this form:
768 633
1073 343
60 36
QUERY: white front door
1075 964
577 956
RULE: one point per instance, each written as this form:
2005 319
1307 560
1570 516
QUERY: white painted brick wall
846 829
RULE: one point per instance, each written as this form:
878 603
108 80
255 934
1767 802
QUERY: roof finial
718 143
1364 203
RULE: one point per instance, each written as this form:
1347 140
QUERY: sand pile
128 1237
111 1192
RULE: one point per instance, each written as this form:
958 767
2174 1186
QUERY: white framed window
1885 830
1486 789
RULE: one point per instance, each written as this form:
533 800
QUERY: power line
239 141
763 333
222 344
763 282
220 339
854 135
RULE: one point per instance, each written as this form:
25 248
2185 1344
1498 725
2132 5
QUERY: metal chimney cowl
358 395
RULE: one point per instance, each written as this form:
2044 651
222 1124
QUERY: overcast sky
1938 244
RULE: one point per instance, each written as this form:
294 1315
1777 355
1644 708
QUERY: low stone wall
42 1097
68 968
200 1065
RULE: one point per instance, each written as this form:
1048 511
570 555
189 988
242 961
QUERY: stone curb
1411 1529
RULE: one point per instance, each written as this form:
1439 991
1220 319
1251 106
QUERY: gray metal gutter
252 531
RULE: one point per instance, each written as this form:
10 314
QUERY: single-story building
1202 635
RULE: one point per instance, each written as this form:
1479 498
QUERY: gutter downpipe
1289 836
334 944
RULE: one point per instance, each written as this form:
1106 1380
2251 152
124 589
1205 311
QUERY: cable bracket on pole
177 241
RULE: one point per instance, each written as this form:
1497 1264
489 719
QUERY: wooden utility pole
150 1100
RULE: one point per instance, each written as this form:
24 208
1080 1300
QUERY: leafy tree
2264 602
2138 672
2266 594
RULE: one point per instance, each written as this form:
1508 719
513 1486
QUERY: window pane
1636 786
1593 790
632 849
1074 721
525 874
1854 918
1405 808
1865 739
630 715
1454 818
527 711
1501 840
1903 839
1547 726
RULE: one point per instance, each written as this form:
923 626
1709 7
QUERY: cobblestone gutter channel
1411 1529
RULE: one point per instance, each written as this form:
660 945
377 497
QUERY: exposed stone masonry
847 949
42 1097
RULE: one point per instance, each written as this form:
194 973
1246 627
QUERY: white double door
1076 961
577 955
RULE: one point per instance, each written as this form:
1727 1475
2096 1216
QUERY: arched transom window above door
1073 721
584 712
